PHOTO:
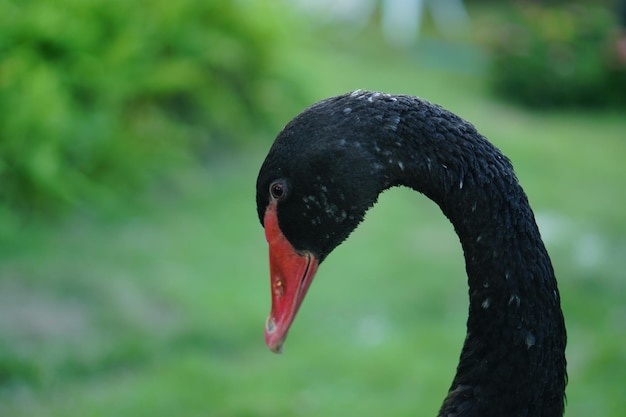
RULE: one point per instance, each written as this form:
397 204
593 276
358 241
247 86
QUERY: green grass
161 312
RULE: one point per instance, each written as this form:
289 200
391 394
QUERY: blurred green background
133 269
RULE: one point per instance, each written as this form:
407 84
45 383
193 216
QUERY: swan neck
512 361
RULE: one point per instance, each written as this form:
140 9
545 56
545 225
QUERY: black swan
328 166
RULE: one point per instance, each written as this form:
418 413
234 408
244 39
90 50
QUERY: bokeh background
133 268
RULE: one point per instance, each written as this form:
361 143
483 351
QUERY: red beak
291 273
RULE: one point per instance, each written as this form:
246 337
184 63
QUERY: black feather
339 154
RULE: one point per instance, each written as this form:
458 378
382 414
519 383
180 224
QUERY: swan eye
278 190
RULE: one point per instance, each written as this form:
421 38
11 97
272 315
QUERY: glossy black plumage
339 154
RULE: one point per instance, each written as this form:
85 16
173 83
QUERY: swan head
313 189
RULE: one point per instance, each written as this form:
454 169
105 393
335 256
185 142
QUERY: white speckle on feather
347 110
393 123
514 299
530 340
401 165
486 303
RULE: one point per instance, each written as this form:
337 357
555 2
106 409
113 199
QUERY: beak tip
272 339
278 349
275 345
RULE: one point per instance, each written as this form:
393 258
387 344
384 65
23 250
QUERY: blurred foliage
101 96
608 3
549 56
